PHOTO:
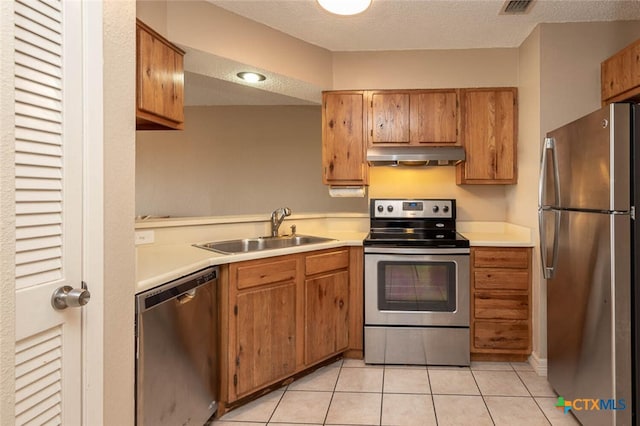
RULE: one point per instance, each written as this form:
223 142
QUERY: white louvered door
48 133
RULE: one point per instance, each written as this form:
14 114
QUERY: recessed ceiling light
251 77
345 7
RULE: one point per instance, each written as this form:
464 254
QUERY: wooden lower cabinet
282 315
500 303
262 333
326 306
266 336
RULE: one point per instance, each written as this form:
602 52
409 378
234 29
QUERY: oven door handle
410 250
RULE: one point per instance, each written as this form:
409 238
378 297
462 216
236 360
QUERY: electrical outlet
145 237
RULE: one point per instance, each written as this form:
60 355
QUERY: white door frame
93 228
7 215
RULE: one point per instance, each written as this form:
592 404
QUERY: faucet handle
293 229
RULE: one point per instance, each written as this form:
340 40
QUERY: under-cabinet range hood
415 156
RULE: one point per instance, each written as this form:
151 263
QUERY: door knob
68 297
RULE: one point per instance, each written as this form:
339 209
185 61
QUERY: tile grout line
433 401
482 395
333 392
534 398
277 405
384 373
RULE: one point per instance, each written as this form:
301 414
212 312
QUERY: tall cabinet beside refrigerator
589 248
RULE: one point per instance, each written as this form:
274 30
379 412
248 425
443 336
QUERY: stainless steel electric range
416 284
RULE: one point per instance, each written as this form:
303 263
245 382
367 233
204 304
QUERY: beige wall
425 69
236 160
522 199
474 202
570 67
559 82
118 263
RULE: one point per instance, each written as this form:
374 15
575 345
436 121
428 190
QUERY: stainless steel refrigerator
589 250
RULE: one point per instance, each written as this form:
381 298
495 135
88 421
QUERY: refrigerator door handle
549 145
548 269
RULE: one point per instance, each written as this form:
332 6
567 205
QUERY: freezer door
587 162
588 314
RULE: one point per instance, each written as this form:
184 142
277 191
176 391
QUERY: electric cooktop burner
414 223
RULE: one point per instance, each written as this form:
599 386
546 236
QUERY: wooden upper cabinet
489 136
160 81
434 117
343 144
389 117
413 117
620 75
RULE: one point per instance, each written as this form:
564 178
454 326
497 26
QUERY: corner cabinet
620 75
343 142
489 118
412 117
500 303
159 80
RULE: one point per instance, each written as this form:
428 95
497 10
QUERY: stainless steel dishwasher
176 351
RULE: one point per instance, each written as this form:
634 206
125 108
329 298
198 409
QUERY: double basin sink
247 245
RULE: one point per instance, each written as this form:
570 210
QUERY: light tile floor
349 392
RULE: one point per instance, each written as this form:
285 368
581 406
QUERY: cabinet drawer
501 335
501 258
501 306
254 274
328 261
487 279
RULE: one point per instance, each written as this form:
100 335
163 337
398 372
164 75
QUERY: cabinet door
616 74
620 75
265 336
489 129
389 117
343 146
160 81
434 117
326 319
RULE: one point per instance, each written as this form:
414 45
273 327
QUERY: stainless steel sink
247 245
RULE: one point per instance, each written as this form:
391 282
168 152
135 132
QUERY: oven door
416 287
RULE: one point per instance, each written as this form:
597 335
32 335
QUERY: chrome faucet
277 221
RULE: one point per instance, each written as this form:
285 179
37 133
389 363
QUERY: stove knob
380 208
435 209
389 209
445 209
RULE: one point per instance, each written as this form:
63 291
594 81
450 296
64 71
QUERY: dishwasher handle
183 289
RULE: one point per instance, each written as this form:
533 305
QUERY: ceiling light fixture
251 77
345 7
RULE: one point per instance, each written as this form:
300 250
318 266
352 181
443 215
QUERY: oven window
417 286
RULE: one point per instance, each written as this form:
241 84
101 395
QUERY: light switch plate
145 237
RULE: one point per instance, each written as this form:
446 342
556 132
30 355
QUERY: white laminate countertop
161 263
158 264
496 234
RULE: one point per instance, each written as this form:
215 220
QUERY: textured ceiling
423 24
386 25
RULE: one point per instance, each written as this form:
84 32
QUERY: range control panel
420 209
